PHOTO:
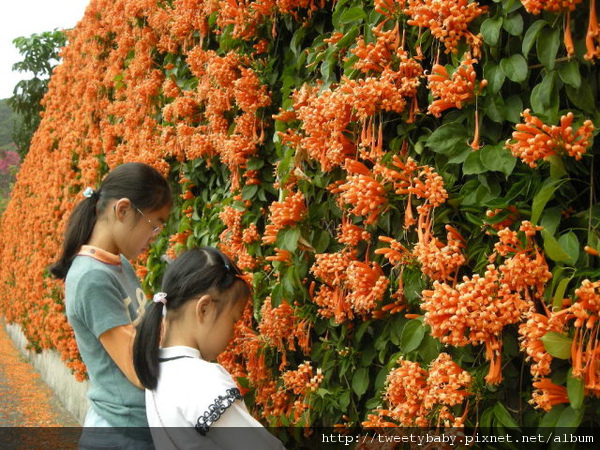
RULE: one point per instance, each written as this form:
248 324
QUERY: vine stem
557 60
591 196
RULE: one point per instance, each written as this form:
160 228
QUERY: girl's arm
118 343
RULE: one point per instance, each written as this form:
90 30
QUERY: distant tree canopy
7 118
40 55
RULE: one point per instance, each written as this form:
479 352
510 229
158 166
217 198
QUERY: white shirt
190 389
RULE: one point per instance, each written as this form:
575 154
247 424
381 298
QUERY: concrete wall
54 372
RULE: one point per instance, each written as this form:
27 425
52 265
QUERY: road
27 401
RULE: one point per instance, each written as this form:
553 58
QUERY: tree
41 55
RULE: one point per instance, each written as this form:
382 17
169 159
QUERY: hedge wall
409 185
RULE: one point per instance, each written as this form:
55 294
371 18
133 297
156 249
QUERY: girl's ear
202 307
121 207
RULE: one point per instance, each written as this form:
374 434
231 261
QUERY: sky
24 18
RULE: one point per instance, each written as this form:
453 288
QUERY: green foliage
40 54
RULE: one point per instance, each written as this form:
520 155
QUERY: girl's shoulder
189 368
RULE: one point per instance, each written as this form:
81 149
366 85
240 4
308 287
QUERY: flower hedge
410 186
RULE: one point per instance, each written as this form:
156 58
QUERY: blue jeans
99 434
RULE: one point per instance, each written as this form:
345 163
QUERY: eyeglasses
155 228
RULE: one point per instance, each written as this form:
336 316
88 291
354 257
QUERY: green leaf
531 35
514 24
289 238
575 390
513 108
494 76
490 30
497 158
583 97
557 344
569 73
504 416
541 199
248 191
447 138
559 294
547 45
570 244
543 96
353 14
473 164
412 335
515 68
570 418
360 381
557 167
551 417
297 38
553 249
348 39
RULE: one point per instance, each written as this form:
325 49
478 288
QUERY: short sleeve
220 414
101 303
236 428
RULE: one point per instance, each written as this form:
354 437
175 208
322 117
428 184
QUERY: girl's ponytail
79 230
145 346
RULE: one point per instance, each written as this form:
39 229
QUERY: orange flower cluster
286 213
448 20
361 190
330 268
534 140
537 6
234 238
350 234
349 286
512 215
438 261
390 8
547 394
422 398
366 285
476 310
303 380
245 358
227 88
325 118
585 313
592 37
281 328
408 178
456 90
532 331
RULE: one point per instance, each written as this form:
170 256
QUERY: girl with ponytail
192 402
103 297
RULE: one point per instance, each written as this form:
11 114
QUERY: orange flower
548 394
362 191
535 140
456 90
592 37
448 20
417 397
282 214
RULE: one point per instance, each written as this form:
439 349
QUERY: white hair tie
161 297
88 192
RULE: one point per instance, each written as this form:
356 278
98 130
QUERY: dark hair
142 184
194 273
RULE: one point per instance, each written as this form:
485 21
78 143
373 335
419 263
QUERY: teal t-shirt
99 296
